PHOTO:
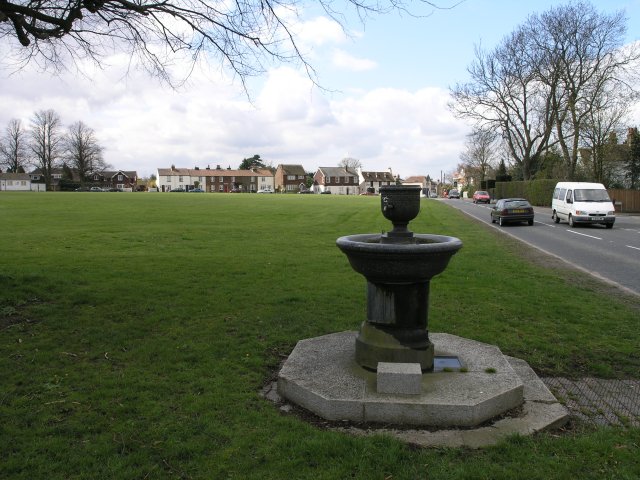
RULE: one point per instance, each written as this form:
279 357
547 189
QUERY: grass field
136 331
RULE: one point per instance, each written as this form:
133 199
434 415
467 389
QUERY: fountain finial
400 204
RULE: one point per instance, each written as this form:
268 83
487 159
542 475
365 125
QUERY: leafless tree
350 163
46 142
600 130
480 150
587 50
82 151
545 81
507 94
14 152
244 35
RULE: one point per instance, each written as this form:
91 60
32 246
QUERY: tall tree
82 151
46 142
586 49
480 150
599 135
350 163
633 162
14 151
252 162
544 82
507 94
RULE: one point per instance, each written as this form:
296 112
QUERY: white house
16 182
336 180
374 180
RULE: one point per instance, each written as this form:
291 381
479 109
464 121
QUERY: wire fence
598 401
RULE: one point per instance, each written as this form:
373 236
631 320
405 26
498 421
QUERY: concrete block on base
399 378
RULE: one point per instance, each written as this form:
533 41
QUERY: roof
337 172
378 176
417 178
15 176
111 173
214 172
292 169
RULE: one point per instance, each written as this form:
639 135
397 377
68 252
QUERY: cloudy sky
386 87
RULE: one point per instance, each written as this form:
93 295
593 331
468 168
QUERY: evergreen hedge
538 192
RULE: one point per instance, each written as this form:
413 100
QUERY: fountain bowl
381 262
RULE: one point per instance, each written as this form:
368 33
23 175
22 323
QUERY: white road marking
583 234
635 248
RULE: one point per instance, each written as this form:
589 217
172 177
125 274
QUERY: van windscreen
591 195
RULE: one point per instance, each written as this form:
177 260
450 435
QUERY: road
612 255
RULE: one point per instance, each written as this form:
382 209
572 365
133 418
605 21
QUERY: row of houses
285 178
34 181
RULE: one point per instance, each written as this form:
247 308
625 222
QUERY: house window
95 177
233 179
291 177
120 186
168 179
221 188
23 183
119 178
221 179
300 177
262 179
200 179
180 178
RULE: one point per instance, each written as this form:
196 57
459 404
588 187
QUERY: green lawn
136 331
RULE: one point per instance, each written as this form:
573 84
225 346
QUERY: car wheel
493 220
554 217
530 222
571 224
609 225
500 221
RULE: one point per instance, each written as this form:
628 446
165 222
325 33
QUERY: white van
581 202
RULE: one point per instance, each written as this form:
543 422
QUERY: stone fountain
398 266
393 371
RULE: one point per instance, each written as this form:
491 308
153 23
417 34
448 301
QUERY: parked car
196 190
265 190
510 210
96 189
453 193
179 189
481 196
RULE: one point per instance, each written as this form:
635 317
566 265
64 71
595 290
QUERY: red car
481 197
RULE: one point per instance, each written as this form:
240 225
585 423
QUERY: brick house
239 181
214 179
288 178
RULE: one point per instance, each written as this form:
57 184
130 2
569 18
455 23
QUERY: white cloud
144 126
342 59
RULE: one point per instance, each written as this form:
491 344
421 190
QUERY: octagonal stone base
321 375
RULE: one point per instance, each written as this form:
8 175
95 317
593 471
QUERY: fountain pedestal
398 266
